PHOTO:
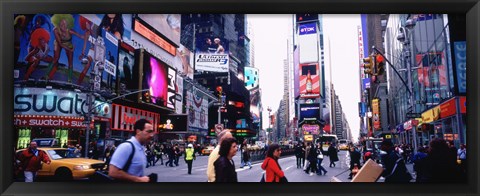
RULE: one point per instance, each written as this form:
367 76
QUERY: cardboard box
370 172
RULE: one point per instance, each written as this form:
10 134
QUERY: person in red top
273 171
31 159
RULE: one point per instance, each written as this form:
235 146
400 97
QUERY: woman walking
273 171
224 165
333 154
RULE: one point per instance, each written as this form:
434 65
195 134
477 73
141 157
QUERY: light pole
405 36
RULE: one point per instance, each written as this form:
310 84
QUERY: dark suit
225 170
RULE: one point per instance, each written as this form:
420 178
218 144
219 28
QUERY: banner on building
310 78
376 113
460 52
197 110
172 88
307 28
251 78
211 54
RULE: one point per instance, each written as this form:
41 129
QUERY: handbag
320 156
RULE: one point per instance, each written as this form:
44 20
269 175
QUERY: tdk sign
309 28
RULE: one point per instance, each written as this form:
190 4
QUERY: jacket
30 162
225 170
273 173
189 154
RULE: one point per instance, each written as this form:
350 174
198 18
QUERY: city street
288 164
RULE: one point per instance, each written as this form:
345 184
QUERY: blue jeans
320 167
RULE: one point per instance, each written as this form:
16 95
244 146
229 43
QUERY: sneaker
250 167
311 174
325 173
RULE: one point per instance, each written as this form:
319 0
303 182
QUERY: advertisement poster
167 24
126 65
251 78
197 110
184 61
309 80
296 64
376 113
111 60
211 54
179 90
255 105
155 79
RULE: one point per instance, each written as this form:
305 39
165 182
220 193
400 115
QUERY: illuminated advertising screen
155 79
173 123
309 80
211 54
376 113
309 112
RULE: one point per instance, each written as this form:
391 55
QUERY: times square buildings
51 97
140 67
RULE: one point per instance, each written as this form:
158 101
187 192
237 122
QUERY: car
207 150
343 147
65 167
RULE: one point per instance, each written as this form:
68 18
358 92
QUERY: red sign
48 121
309 80
124 117
463 105
153 37
448 108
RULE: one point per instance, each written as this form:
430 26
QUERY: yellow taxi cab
343 147
65 166
207 150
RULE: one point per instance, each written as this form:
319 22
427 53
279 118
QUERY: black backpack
102 176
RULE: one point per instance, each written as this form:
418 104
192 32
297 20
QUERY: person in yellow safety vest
189 157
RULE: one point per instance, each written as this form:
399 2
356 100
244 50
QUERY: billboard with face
167 24
126 65
211 54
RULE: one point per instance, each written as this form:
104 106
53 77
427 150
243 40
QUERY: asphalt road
288 164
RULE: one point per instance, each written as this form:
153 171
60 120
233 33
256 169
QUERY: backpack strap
129 161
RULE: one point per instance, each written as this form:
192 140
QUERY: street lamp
405 36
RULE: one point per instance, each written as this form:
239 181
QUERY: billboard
172 87
179 91
308 46
126 67
197 110
309 80
155 73
251 78
255 105
309 112
376 113
111 60
211 54
167 24
184 61
307 28
460 52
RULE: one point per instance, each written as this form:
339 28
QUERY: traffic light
379 65
368 65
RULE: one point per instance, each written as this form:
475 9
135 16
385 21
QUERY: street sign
414 115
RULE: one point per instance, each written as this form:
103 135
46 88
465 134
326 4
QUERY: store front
450 121
57 113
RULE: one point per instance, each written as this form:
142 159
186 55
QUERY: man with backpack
124 166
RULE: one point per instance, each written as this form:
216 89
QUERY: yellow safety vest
189 154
